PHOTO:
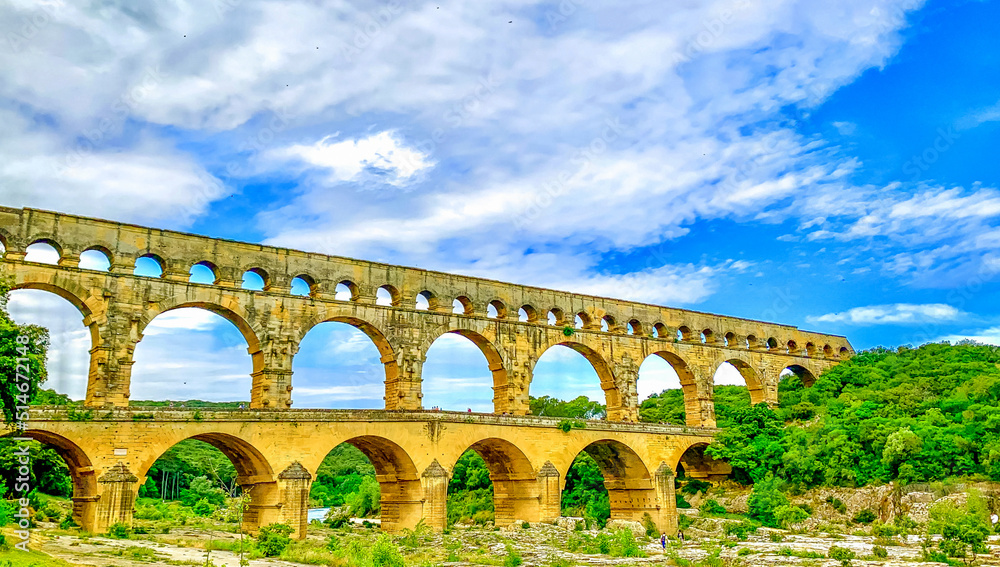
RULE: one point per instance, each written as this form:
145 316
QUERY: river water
317 513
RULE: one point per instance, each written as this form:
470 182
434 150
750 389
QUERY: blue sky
828 166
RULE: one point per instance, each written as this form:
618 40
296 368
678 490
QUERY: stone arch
467 308
351 287
386 348
398 479
251 332
430 297
160 262
515 494
104 251
499 307
694 463
753 381
612 394
689 385
530 313
558 318
308 280
211 267
660 331
684 333
631 488
79 298
804 374
395 297
634 327
259 272
81 470
731 339
6 238
48 242
502 403
253 473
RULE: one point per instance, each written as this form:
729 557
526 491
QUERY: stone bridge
277 450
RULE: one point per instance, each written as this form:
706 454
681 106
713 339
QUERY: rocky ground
563 545
539 545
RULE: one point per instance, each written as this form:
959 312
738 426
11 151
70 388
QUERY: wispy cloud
893 314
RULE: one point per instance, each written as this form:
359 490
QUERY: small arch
388 296
345 290
684 333
608 324
792 347
204 272
43 251
303 285
581 321
3 243
555 316
149 265
496 310
426 301
634 327
707 336
730 339
752 342
772 343
96 258
527 314
661 331
810 349
255 279
844 351
462 305
827 351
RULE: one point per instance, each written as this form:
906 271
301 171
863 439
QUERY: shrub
740 529
841 554
712 508
880 552
203 508
68 522
865 516
272 539
764 500
513 558
650 525
837 504
624 544
694 486
119 530
787 515
384 553
681 502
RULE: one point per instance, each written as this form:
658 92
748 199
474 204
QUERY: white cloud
189 319
381 156
990 336
893 314
979 117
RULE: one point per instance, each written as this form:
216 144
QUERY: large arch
81 470
399 484
753 382
515 490
240 320
692 407
84 304
804 374
387 352
613 397
632 490
693 463
254 475
495 363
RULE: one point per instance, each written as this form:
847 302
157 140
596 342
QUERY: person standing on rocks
663 541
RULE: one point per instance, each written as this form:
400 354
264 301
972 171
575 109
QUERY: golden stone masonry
277 449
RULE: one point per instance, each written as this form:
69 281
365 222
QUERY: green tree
765 500
752 445
23 350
